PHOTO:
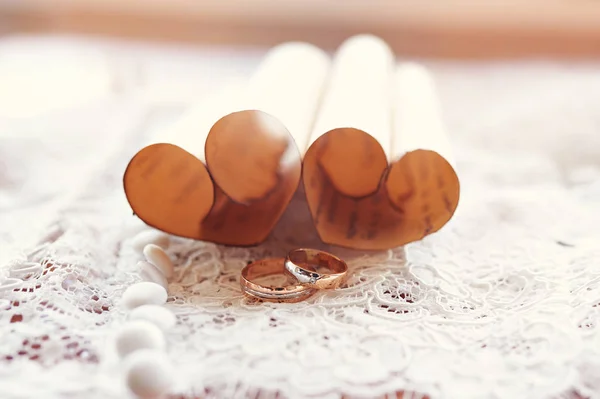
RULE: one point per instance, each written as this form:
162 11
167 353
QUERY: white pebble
160 316
150 237
159 258
139 334
149 272
145 293
149 374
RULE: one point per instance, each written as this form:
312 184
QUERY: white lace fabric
503 302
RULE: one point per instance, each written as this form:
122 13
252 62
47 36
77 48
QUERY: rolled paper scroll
167 183
247 162
357 101
252 162
372 183
289 85
422 184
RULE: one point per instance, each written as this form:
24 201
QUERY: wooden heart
254 171
360 201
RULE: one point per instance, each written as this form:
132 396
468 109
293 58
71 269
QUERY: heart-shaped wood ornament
253 169
360 201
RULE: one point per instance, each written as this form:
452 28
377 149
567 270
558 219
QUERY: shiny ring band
270 267
302 263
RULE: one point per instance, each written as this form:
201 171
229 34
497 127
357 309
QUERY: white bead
150 237
138 334
149 374
159 258
145 293
160 316
149 272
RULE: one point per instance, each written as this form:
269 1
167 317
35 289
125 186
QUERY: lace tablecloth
503 302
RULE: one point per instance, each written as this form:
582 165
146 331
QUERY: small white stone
139 334
145 293
160 316
150 237
149 272
159 258
149 374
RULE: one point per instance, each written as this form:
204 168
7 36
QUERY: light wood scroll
253 165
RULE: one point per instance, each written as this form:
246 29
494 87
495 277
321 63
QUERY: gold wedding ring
302 264
271 267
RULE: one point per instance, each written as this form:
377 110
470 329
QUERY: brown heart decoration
253 169
358 200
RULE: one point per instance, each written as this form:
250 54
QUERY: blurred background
456 29
56 53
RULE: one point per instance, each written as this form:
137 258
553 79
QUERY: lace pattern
502 302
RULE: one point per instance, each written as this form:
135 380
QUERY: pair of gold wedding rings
302 265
